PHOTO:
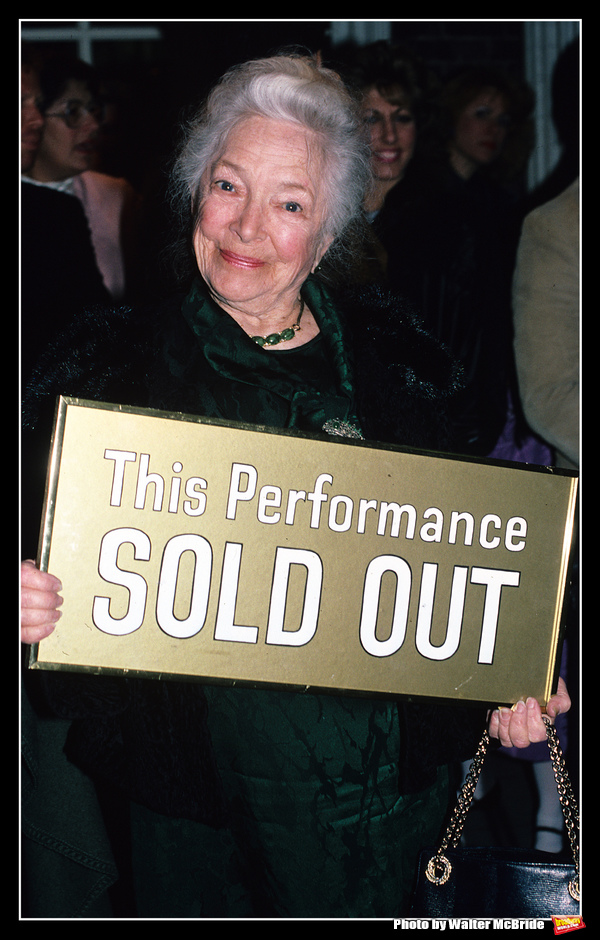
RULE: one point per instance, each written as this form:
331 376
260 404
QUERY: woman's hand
522 725
40 601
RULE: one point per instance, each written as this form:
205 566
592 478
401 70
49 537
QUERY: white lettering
191 490
235 493
225 627
318 497
517 526
120 457
432 532
363 508
109 571
294 497
370 605
175 488
269 496
284 559
488 520
145 480
182 602
494 580
346 521
184 628
469 522
455 614
397 513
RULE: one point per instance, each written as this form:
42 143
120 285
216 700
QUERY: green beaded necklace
273 339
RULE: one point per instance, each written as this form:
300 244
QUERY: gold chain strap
567 801
439 868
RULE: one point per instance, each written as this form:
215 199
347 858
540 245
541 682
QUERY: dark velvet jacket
451 247
135 733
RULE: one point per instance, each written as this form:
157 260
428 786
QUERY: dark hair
56 73
397 73
463 86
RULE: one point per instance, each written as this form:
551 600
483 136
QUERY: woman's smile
262 195
240 261
387 156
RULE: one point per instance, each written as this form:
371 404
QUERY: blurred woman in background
72 107
451 243
395 89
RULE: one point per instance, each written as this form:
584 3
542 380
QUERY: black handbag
455 881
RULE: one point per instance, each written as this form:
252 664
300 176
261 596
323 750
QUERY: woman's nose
91 122
389 130
32 116
249 223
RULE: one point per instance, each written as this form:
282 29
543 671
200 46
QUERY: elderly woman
255 802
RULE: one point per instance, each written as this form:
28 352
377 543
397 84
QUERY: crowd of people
349 249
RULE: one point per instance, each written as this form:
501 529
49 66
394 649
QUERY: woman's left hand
522 725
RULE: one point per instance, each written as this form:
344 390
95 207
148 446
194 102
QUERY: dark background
154 82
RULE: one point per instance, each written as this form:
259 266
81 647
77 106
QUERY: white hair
294 88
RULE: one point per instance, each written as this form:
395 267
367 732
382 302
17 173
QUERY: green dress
318 828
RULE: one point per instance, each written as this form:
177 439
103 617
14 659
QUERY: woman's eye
292 207
224 186
485 113
72 113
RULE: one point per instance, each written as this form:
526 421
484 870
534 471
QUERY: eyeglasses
75 113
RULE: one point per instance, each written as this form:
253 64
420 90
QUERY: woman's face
66 151
393 136
261 216
481 130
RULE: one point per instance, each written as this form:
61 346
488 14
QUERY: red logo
565 924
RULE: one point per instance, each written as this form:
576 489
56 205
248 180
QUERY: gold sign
243 554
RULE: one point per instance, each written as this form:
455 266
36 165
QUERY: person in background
72 104
452 247
396 90
546 314
58 275
424 212
546 304
32 120
477 112
257 802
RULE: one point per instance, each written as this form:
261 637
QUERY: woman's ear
324 247
197 244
